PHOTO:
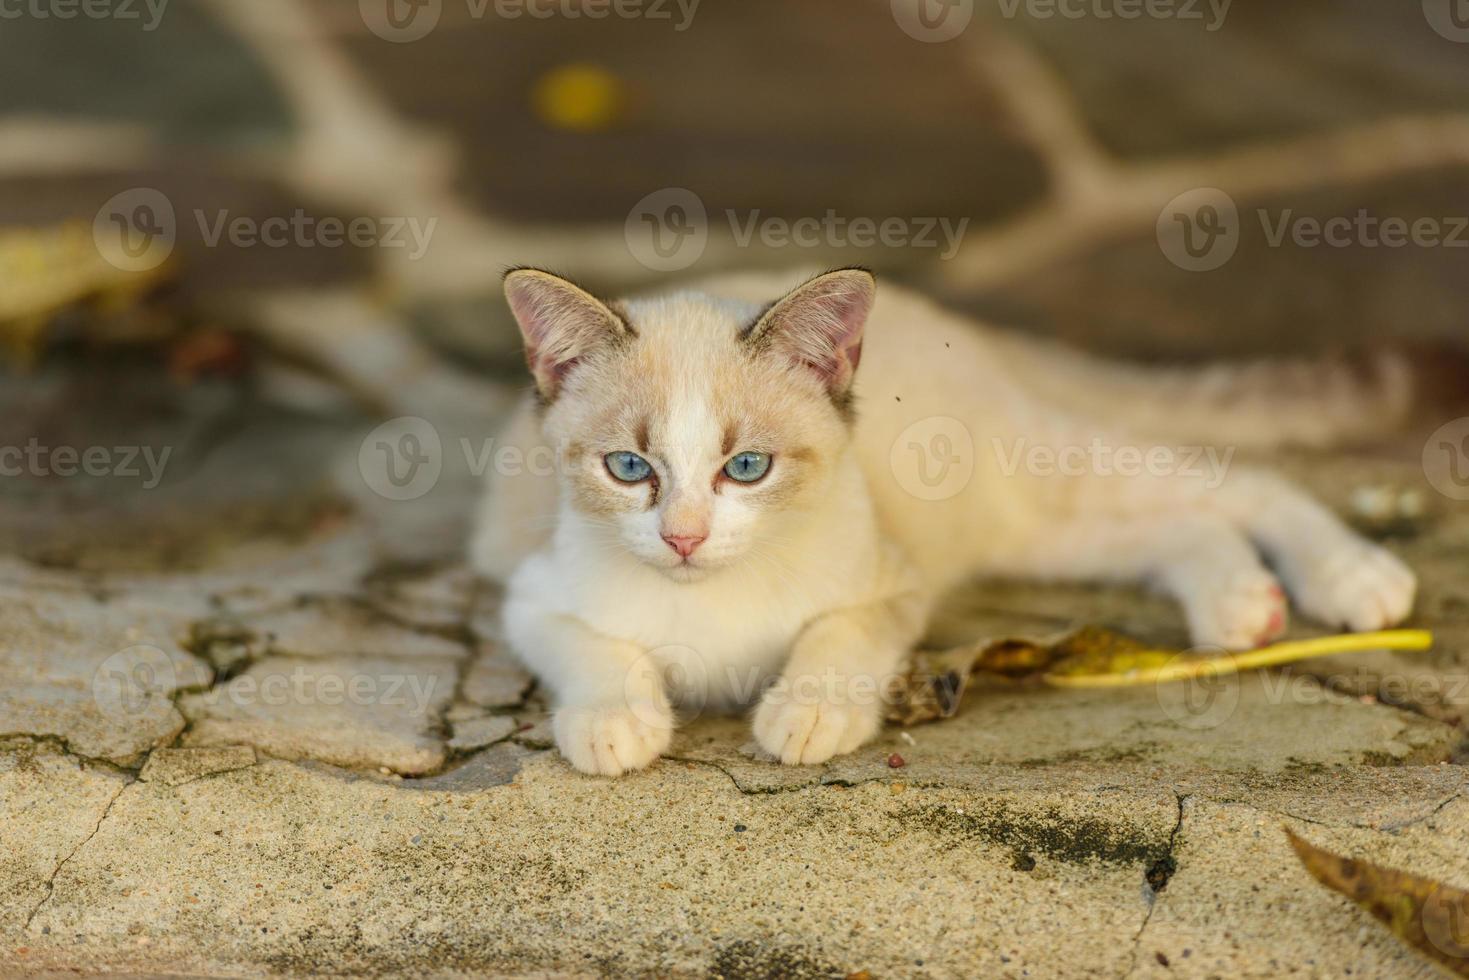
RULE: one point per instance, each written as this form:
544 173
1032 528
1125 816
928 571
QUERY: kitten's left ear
819 324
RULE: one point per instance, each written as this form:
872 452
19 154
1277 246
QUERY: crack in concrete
51 881
1390 828
62 745
1152 890
1414 821
210 775
257 648
816 782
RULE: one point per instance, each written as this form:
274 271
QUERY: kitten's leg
612 712
1334 575
518 507
829 699
1228 596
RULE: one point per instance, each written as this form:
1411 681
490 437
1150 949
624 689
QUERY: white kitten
735 503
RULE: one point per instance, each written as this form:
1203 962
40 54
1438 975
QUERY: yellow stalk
1183 666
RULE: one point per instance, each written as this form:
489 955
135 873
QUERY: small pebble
896 761
739 828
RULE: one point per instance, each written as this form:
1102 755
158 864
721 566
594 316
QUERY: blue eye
747 467
628 467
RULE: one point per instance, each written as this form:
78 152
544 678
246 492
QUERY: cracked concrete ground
256 719
1040 832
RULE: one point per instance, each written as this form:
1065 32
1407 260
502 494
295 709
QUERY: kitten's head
694 431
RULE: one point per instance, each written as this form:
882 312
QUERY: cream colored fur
822 576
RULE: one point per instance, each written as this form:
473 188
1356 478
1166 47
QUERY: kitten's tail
1311 402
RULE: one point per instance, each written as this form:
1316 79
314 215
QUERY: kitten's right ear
561 323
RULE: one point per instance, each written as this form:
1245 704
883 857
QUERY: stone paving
255 717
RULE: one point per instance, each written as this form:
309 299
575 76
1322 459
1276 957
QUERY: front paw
609 740
806 733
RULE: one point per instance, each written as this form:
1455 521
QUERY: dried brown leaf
1428 915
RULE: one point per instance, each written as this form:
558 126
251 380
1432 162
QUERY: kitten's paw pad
1245 611
1360 587
610 740
802 734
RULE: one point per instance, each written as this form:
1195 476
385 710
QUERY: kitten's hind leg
1334 575
1228 596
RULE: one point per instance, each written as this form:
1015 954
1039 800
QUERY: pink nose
684 544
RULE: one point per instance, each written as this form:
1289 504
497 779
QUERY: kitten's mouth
686 570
